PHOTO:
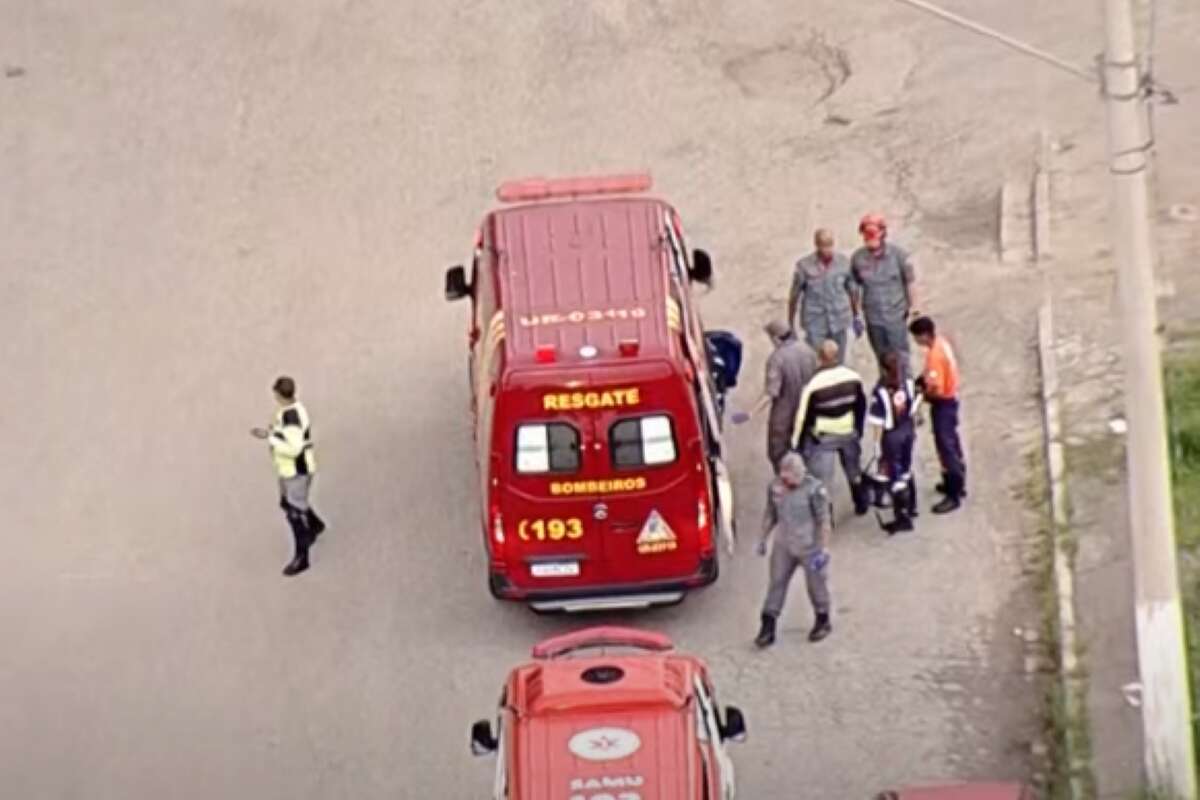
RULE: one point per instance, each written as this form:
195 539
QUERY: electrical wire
1080 72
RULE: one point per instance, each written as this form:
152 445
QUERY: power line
1079 72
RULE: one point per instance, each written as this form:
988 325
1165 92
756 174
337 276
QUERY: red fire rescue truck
597 416
604 726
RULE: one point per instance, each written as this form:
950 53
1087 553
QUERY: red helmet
874 223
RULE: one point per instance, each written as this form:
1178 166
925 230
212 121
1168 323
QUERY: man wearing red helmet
886 281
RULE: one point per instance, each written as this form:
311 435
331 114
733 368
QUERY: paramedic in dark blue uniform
891 415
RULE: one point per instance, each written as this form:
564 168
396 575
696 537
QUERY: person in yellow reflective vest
290 439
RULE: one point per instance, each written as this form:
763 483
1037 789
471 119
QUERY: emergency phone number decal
554 529
576 401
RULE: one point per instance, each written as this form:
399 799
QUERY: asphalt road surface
197 196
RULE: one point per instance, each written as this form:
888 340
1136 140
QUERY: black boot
315 524
303 539
941 487
901 524
858 491
821 628
953 492
766 634
296 565
912 499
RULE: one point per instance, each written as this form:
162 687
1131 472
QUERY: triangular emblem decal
656 535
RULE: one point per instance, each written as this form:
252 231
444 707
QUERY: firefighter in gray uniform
789 367
798 509
825 293
886 281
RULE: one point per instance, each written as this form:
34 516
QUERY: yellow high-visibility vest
291 442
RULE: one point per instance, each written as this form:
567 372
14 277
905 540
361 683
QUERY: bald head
823 241
828 353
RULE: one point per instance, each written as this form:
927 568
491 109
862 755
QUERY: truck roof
585 272
579 737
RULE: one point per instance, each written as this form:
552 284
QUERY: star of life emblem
656 535
604 744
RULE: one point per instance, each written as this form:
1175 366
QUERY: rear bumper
608 597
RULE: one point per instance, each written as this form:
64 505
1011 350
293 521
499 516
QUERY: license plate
555 569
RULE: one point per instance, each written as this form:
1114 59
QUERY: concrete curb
1041 201
1063 571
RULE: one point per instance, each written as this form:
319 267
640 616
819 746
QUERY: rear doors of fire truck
602 488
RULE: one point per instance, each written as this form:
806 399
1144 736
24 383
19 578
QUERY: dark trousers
305 525
896 450
896 460
949 447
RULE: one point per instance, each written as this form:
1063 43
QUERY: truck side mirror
702 269
734 727
483 741
456 283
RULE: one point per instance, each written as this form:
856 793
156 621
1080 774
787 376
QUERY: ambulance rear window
642 441
547 447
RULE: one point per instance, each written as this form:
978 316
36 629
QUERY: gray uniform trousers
785 558
819 457
885 336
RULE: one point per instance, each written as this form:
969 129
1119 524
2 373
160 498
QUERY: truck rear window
547 447
642 441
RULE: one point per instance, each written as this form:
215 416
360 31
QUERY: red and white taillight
496 533
704 534
497 527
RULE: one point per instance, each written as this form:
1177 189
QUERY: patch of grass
1146 793
1059 724
1102 456
1183 407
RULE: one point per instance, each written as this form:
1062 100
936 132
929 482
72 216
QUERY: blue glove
859 327
818 560
739 418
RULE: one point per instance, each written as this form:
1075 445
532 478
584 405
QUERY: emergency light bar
628 347
602 636
527 189
545 354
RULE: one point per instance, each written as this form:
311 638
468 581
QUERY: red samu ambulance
603 726
596 415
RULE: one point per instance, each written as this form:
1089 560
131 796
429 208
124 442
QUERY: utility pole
1162 656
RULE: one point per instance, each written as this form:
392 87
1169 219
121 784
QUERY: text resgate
577 401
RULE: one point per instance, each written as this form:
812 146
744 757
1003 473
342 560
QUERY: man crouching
798 505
